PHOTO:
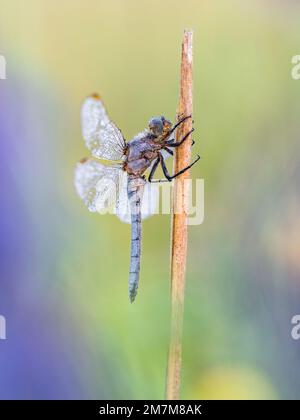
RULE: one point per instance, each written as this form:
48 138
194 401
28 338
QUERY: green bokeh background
243 264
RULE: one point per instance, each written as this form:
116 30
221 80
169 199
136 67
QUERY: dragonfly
114 177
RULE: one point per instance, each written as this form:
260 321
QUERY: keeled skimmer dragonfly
121 184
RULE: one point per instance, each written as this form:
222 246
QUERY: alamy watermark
156 198
2 67
295 73
2 328
295 332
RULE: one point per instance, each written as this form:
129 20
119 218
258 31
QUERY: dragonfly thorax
141 151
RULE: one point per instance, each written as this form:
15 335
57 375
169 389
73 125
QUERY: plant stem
182 158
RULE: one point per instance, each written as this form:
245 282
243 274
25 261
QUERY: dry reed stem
182 158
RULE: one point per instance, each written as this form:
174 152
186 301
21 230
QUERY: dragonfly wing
98 185
165 154
102 136
149 201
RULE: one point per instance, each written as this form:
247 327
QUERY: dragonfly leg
172 143
168 150
179 122
165 170
170 177
154 167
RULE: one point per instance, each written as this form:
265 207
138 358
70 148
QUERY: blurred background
71 332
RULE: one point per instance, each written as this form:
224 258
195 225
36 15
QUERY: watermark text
296 67
2 67
2 328
156 198
295 332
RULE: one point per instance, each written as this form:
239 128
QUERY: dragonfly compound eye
156 126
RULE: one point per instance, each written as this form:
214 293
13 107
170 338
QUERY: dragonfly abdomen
135 191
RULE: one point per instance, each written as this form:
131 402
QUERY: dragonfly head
159 126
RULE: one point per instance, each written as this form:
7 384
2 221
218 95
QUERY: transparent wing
165 154
102 137
149 201
98 185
